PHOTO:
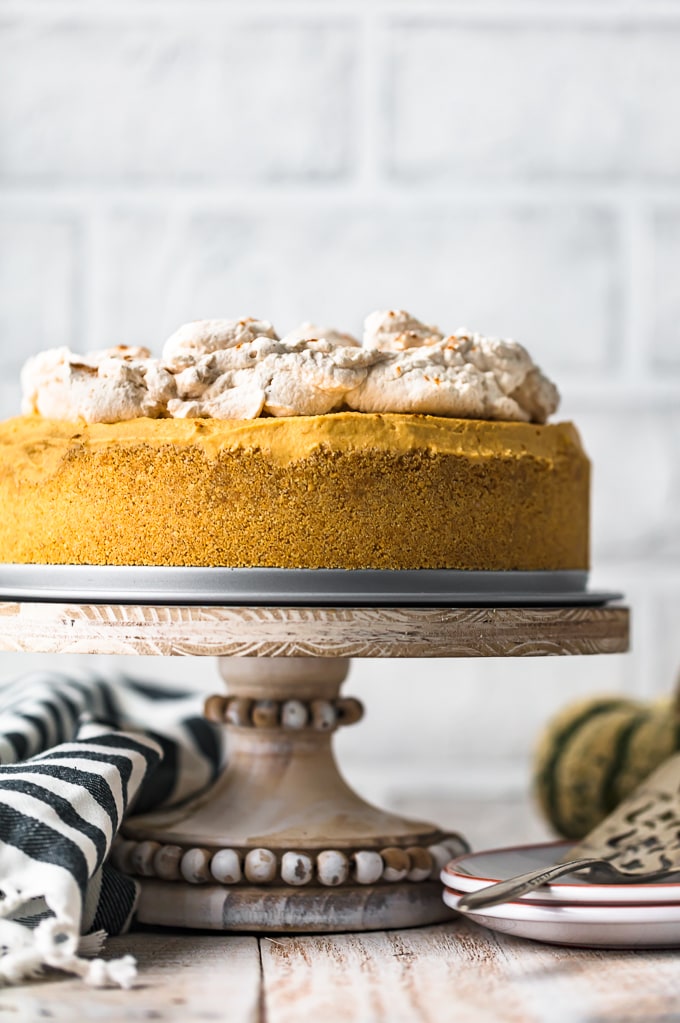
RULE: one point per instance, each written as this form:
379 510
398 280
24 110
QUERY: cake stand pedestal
281 843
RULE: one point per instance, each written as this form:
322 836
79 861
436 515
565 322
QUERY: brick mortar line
646 388
617 195
654 576
211 11
637 314
368 99
92 298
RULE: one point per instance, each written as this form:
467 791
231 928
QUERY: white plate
588 926
473 871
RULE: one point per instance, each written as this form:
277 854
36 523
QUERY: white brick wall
500 100
514 167
665 296
40 267
335 260
147 99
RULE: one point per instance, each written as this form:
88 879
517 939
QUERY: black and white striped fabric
77 754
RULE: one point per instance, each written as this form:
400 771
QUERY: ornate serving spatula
638 842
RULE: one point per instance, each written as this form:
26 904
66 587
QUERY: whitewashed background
513 167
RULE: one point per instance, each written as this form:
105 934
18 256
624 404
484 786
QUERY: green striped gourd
595 752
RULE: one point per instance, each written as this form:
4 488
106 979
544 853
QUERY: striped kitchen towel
77 753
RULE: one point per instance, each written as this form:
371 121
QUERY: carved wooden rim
312 632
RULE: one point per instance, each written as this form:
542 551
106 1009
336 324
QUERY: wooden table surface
455 971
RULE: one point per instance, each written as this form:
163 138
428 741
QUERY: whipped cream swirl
106 386
240 369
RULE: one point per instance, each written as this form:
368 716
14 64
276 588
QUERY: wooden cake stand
281 843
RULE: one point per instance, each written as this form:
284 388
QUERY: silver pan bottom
98 584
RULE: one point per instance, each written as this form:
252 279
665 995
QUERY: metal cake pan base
285 586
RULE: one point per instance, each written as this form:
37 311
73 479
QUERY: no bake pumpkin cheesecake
413 450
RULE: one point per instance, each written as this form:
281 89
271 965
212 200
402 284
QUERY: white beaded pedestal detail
281 843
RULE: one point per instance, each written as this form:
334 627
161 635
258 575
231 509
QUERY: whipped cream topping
201 337
106 386
240 369
312 332
465 376
278 378
393 330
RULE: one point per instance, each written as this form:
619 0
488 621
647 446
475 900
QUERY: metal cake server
638 842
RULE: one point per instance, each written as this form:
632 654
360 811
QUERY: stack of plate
571 911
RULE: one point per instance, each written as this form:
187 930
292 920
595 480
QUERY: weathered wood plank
453 972
400 976
590 985
462 973
182 977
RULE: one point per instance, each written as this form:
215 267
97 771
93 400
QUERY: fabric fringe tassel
54 943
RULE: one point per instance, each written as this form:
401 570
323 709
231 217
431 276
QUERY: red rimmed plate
473 871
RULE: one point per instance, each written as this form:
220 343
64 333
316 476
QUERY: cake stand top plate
36 627
169 585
